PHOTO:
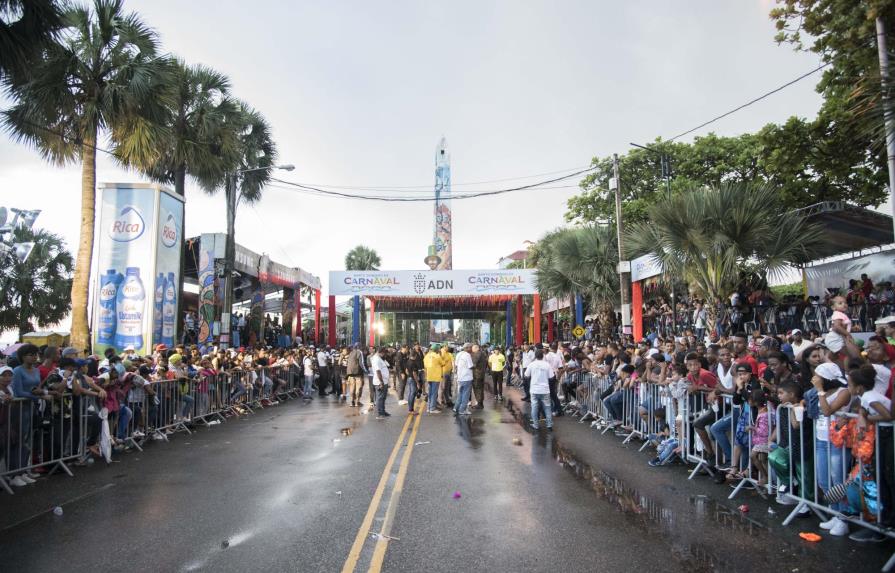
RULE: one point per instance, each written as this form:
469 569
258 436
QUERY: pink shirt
839 315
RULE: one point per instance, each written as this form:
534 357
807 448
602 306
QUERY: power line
751 102
399 199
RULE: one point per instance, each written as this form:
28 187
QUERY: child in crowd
761 434
838 320
789 444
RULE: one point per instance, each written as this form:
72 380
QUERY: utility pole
887 105
229 261
624 266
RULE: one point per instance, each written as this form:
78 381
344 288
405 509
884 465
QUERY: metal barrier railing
48 433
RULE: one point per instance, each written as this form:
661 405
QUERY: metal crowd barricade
37 433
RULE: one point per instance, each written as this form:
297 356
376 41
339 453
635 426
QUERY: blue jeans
308 387
615 404
124 417
539 402
187 405
433 395
826 453
381 394
721 431
463 399
411 393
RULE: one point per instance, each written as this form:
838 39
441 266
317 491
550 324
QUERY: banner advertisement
433 283
880 267
207 307
645 267
138 245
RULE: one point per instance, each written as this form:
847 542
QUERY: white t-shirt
554 360
528 358
726 379
378 364
798 349
871 396
540 373
822 424
463 366
321 358
309 366
881 382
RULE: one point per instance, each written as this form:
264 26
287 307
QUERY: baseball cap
129 347
830 371
69 351
161 347
743 368
886 319
795 331
4 369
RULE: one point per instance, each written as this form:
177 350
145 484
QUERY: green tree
204 125
35 292
26 28
712 236
362 258
104 77
581 260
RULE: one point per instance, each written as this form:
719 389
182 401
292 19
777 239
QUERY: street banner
138 249
433 283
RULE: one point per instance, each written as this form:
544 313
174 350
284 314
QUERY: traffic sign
578 331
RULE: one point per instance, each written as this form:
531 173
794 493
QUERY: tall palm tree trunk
80 288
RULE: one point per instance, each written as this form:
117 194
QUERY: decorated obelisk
443 242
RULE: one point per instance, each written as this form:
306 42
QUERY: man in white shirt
323 371
528 356
463 367
799 344
379 367
539 373
554 359
308 367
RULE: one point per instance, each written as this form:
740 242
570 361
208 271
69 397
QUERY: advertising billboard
433 283
138 250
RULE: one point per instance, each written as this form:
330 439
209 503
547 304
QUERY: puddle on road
713 537
471 430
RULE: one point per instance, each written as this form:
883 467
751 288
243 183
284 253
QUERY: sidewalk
696 514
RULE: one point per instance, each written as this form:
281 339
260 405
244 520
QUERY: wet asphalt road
301 487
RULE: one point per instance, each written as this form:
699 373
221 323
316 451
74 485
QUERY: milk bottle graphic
130 304
169 310
157 308
108 320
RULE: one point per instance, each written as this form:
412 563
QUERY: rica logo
169 231
127 226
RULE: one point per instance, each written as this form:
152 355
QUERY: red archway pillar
332 321
372 324
537 319
317 339
637 310
519 321
550 334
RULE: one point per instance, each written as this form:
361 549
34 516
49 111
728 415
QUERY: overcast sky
359 93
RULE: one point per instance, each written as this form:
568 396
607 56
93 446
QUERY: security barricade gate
55 430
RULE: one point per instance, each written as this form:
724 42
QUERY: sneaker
533 427
157 437
380 417
840 528
867 536
138 434
784 499
402 402
27 479
353 404
18 481
828 524
32 475
655 462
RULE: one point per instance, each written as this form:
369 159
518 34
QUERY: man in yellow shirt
447 387
497 362
433 363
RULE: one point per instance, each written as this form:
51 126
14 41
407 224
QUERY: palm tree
102 78
581 260
362 258
710 237
26 28
200 140
35 291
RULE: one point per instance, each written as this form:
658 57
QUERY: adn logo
169 231
127 226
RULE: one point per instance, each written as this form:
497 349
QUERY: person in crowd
497 363
447 381
528 356
355 370
434 365
479 369
464 366
322 371
539 372
379 368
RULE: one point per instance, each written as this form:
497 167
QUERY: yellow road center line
382 542
365 525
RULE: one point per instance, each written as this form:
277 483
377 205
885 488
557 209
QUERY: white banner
645 267
432 283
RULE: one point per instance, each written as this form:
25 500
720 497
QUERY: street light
230 250
666 174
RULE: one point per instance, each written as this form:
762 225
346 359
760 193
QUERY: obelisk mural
442 242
